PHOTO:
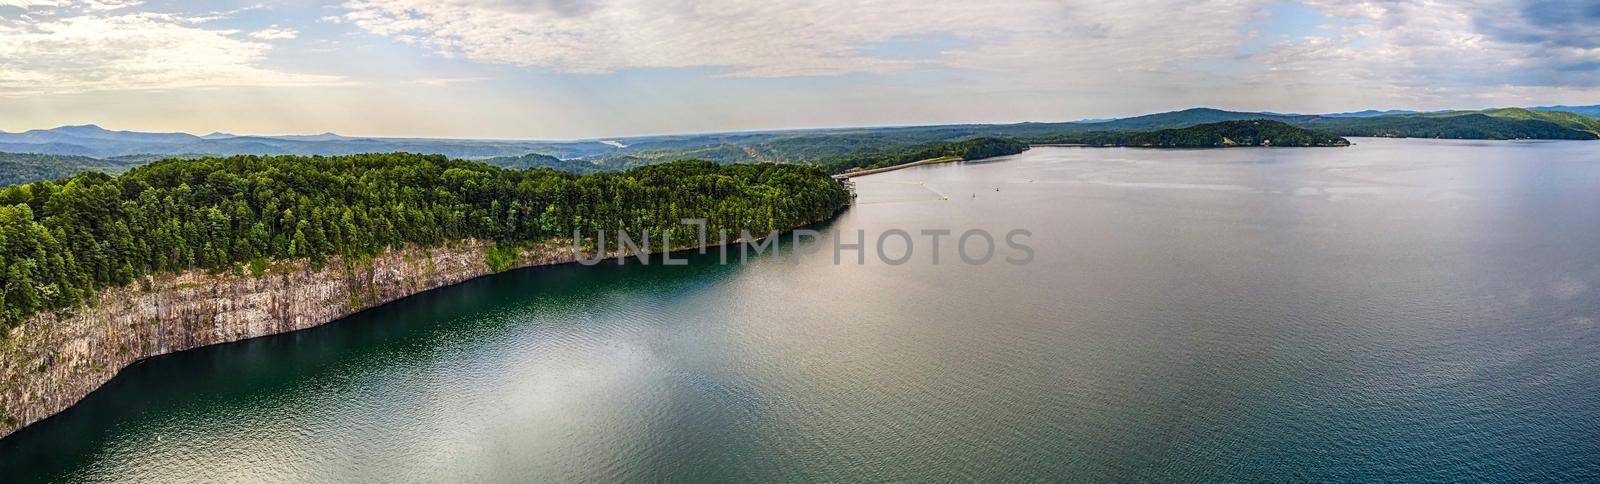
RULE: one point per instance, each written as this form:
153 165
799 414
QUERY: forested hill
1507 123
18 168
1503 123
1209 135
60 241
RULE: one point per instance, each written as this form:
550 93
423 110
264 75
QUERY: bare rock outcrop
53 360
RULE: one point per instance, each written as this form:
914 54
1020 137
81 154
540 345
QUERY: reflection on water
1399 309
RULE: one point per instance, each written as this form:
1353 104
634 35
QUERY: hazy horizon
690 133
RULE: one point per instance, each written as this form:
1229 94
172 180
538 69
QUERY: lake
1395 310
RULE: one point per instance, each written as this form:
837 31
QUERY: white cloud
798 38
750 39
91 49
887 61
275 33
1433 50
446 81
104 5
28 3
791 37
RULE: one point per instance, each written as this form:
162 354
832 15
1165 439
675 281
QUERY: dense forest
1567 120
60 241
18 168
1209 135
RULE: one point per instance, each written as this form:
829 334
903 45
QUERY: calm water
1393 310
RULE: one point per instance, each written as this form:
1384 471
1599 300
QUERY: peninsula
99 271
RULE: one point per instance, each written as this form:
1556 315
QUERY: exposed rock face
53 360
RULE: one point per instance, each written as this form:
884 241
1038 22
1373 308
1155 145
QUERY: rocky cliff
53 360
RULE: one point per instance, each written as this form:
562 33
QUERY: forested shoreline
61 241
1210 135
972 149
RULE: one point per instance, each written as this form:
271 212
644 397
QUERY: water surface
1399 309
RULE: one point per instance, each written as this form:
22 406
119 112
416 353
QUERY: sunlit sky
564 69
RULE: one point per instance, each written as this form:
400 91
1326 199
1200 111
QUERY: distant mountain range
117 150
1590 111
1368 113
94 141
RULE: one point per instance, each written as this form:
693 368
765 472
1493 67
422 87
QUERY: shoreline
1204 147
929 161
843 177
54 360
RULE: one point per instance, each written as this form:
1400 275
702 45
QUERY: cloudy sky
561 69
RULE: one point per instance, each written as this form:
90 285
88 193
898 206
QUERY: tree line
61 241
1258 132
1471 125
970 149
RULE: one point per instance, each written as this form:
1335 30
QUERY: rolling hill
1505 123
1189 117
94 141
1590 111
1367 113
1566 119
831 147
1222 134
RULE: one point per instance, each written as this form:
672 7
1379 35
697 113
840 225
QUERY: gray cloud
1027 57
1399 43
1458 48
1562 23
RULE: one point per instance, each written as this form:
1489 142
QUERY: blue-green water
1396 310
